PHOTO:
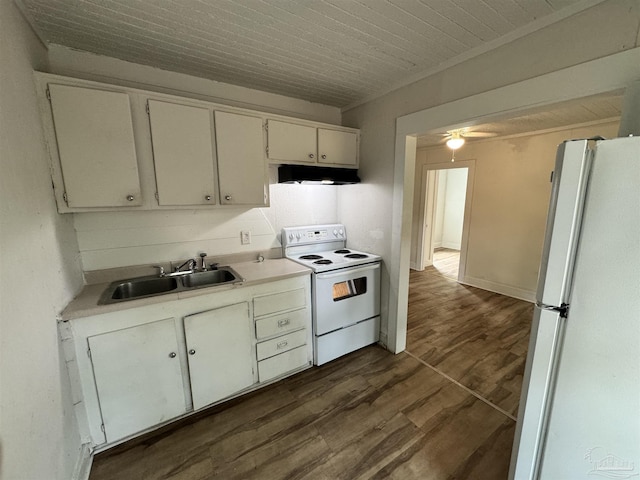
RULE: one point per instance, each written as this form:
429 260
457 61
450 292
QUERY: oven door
345 297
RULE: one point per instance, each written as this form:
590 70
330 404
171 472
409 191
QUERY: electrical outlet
245 237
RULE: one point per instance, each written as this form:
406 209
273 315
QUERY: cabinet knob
311 155
323 157
192 352
172 355
130 198
207 198
227 198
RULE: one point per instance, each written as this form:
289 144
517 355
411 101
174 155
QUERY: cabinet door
138 377
94 132
219 347
241 159
339 148
289 142
182 153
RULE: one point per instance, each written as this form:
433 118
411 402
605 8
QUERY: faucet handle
214 266
161 271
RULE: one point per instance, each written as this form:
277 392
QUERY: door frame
606 74
424 212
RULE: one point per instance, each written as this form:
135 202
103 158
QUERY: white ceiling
335 52
584 111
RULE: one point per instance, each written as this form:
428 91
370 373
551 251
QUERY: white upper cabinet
183 153
220 352
337 148
289 142
306 144
118 148
242 169
96 147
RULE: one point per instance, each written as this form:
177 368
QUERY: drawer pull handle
284 322
282 344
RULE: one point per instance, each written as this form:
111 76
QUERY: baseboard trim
383 340
451 245
502 289
414 266
83 465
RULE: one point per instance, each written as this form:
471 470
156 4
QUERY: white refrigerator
579 415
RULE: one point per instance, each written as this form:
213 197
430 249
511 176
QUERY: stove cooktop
322 247
333 259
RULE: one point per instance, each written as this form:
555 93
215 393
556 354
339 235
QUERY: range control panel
313 234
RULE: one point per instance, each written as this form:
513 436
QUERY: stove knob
298 236
341 233
335 233
291 236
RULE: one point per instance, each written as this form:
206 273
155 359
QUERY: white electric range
345 288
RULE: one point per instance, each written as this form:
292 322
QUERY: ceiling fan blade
479 134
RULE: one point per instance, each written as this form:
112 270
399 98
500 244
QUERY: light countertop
86 302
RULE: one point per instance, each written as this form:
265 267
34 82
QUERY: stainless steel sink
204 279
141 287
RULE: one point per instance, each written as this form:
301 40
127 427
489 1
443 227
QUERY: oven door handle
349 271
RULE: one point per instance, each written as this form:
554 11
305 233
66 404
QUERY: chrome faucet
203 263
191 263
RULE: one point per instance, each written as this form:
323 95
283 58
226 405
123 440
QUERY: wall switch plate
245 237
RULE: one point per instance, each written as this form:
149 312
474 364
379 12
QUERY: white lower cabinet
219 348
138 377
282 332
135 369
280 364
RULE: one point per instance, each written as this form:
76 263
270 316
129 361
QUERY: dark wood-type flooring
441 410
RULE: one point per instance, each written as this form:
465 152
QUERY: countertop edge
85 304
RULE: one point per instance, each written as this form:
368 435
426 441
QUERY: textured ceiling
583 111
335 52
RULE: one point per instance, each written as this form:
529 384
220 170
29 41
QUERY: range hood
309 175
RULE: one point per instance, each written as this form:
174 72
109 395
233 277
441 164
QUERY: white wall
509 205
453 208
115 239
603 30
438 221
89 66
39 273
118 239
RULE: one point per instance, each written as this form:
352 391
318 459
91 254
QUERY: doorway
442 219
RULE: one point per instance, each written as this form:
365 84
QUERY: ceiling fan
455 138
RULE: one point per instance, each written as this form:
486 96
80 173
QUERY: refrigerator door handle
563 309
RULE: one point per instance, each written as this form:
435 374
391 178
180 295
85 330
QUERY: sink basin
204 279
142 287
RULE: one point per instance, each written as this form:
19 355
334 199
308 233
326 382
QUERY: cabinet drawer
283 363
281 323
281 344
279 302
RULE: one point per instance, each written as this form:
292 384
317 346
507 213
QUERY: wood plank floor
368 415
476 337
446 261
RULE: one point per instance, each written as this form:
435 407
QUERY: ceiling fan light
455 143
